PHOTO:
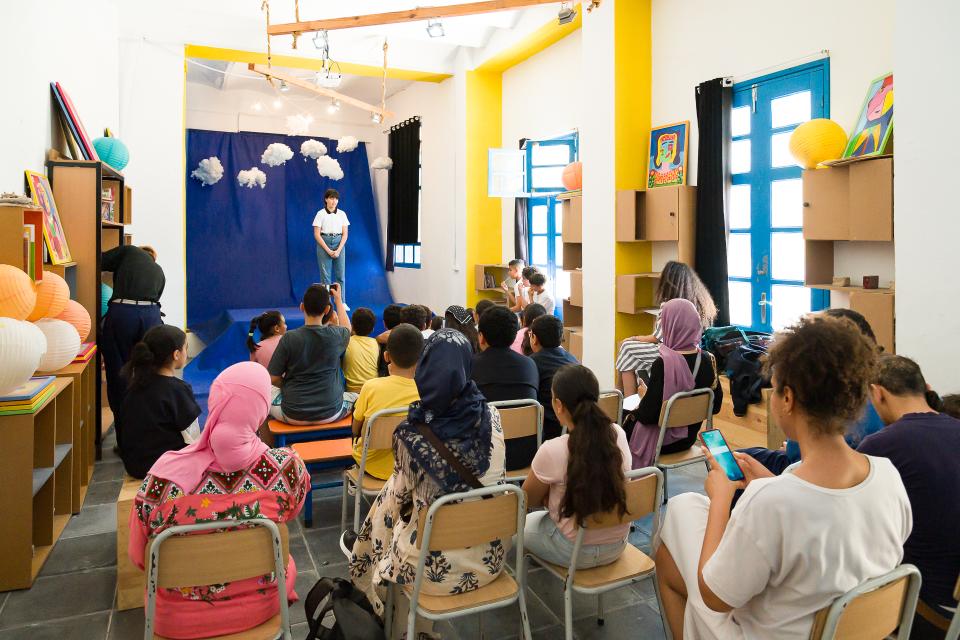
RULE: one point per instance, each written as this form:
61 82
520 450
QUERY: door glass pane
740 122
550 154
740 156
786 203
738 255
741 303
740 206
562 288
789 304
791 109
538 219
787 255
780 155
557 218
539 251
558 252
416 253
408 253
546 178
398 253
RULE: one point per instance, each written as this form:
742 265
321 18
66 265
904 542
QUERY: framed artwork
667 164
76 127
873 133
53 235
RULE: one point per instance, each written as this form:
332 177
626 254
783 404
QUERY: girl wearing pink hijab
681 366
228 473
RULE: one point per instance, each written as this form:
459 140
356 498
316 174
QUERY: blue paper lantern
113 152
105 294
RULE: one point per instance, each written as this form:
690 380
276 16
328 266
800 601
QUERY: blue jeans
542 538
328 264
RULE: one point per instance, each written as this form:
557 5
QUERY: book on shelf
29 406
27 391
33 232
87 349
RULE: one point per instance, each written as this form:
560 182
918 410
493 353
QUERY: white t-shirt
791 548
545 299
427 333
331 222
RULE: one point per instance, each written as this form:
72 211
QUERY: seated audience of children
271 325
513 289
159 408
437 323
456 317
360 358
306 364
417 315
537 293
396 390
521 344
391 318
546 333
482 305
523 289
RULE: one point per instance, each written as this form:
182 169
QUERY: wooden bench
284 434
131 582
323 454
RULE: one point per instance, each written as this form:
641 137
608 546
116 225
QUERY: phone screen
718 448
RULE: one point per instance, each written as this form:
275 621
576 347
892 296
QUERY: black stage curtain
403 186
713 118
520 224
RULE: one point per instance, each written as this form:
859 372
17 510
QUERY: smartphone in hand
716 444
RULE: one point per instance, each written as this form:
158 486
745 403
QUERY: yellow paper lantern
817 141
18 295
52 296
75 314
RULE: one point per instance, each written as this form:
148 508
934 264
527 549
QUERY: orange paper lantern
18 295
573 176
52 296
75 314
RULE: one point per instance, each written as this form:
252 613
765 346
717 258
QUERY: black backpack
352 616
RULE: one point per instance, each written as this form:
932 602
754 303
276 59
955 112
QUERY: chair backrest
643 489
215 558
520 418
611 403
686 408
381 425
463 520
873 609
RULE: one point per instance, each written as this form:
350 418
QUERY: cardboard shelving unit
571 230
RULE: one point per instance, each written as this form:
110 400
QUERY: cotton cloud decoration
209 171
382 163
347 143
276 154
313 149
298 124
251 178
329 168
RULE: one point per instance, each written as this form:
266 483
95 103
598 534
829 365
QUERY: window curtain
403 186
520 223
713 118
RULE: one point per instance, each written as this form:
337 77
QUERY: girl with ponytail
272 326
577 475
159 412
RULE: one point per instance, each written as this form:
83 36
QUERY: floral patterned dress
274 487
386 549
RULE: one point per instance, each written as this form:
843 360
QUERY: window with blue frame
545 162
408 255
765 247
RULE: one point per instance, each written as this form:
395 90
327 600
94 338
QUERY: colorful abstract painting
873 132
667 165
53 234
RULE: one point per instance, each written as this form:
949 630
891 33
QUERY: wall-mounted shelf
572 255
499 273
572 314
664 214
576 288
635 291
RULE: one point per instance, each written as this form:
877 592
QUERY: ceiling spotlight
435 28
257 106
322 42
329 76
377 118
277 103
284 87
566 14
334 106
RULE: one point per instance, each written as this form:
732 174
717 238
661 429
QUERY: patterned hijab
453 408
458 313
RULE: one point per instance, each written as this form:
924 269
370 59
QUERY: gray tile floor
74 595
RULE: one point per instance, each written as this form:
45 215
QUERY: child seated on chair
681 366
418 316
306 365
360 360
546 333
521 344
577 475
396 390
271 325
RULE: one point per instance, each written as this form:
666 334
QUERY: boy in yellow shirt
396 390
360 359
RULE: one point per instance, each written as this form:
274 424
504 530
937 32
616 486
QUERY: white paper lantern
63 344
22 346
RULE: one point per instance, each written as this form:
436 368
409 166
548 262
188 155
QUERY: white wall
927 225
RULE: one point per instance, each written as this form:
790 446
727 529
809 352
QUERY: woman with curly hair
794 542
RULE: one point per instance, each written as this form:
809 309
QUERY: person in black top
545 334
134 309
504 374
158 407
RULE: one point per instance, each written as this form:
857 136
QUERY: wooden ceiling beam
294 81
406 15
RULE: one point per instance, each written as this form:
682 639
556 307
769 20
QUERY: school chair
644 495
874 609
681 410
953 632
459 521
611 401
284 433
377 434
320 455
259 549
520 419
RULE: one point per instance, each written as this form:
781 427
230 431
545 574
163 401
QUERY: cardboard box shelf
878 309
572 315
662 214
567 332
849 202
572 211
576 288
498 271
634 290
572 256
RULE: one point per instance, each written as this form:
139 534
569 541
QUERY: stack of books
87 349
28 397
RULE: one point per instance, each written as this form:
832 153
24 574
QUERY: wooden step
741 432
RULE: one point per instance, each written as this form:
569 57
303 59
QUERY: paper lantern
817 141
106 292
63 344
75 314
572 176
18 295
22 346
52 296
113 152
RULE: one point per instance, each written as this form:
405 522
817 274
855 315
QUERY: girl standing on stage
330 229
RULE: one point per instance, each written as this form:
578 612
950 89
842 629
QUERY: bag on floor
745 369
336 610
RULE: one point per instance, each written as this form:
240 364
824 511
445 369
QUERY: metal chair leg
600 609
308 508
568 614
388 610
343 507
524 616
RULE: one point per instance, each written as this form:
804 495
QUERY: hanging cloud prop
347 143
383 163
298 124
329 168
313 149
276 154
209 171
251 178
